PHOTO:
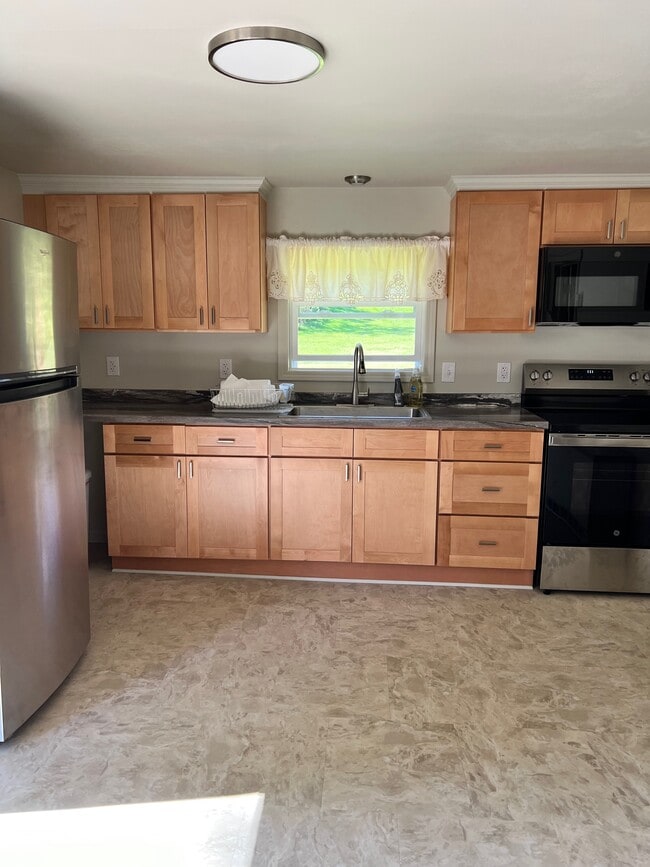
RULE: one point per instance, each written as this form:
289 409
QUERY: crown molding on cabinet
544 182
52 184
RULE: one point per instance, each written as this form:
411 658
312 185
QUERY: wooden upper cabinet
76 218
632 217
179 262
34 212
236 230
493 268
596 217
127 276
579 216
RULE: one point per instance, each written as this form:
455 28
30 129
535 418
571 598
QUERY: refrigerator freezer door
44 612
39 321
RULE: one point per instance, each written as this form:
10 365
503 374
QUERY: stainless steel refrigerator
44 617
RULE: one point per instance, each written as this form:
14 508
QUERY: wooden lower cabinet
311 509
478 541
369 511
227 508
394 512
146 505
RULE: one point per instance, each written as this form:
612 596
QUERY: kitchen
150 360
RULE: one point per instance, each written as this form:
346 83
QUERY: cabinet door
632 217
146 506
227 508
126 267
493 273
236 261
394 507
75 218
180 277
311 509
578 216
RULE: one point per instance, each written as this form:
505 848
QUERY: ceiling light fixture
357 179
265 55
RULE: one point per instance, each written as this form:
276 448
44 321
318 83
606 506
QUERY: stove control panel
539 375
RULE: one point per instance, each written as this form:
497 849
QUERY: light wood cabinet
76 218
146 505
596 217
494 258
490 483
126 269
227 508
236 229
497 543
310 509
394 512
162 502
179 262
226 441
113 238
354 509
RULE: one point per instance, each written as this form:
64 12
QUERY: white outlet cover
112 365
503 371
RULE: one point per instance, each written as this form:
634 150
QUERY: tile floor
387 725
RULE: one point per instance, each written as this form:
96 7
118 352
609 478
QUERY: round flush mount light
357 179
265 55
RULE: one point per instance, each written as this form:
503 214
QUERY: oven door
595 531
594 285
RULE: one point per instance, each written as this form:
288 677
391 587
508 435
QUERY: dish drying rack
246 398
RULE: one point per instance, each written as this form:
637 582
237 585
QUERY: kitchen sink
365 411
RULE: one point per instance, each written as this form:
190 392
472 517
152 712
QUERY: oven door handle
611 441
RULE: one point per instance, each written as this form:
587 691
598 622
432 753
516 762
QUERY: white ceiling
412 92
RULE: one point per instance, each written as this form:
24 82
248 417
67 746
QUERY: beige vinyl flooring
386 725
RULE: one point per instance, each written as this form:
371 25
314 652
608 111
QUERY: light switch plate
448 371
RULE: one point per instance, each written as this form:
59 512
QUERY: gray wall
11 198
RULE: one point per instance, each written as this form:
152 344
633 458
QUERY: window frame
425 319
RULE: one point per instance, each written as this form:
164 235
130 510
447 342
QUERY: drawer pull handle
227 441
492 445
141 439
488 543
491 489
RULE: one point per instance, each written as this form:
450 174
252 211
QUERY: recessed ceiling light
265 55
357 179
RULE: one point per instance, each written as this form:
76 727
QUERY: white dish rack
246 398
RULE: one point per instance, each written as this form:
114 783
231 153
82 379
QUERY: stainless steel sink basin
381 412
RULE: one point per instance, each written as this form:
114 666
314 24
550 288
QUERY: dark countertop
194 408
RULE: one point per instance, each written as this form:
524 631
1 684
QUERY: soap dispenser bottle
398 393
415 391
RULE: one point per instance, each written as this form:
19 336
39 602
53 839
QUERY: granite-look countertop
194 408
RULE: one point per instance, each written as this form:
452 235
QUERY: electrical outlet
225 368
448 371
112 365
503 371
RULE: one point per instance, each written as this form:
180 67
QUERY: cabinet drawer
209 440
500 543
144 439
311 442
482 445
402 444
490 488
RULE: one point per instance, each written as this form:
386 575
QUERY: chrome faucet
358 367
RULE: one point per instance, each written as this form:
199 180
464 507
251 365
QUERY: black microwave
594 286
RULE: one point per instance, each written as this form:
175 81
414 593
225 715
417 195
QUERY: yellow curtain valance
345 270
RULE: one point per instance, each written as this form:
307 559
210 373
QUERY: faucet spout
358 367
